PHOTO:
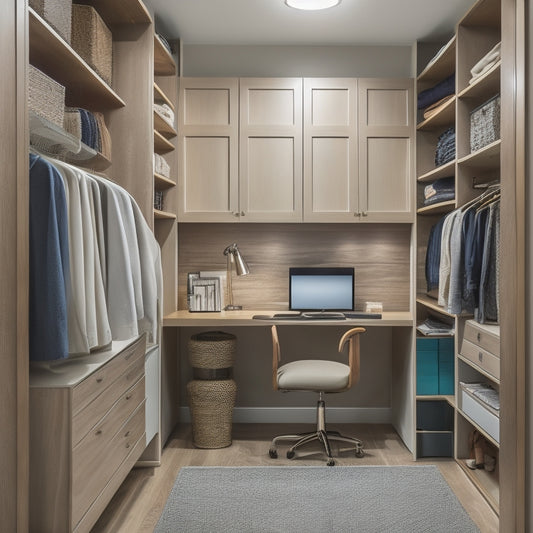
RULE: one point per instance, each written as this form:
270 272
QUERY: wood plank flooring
140 500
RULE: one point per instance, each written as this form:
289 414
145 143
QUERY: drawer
485 336
482 358
99 437
90 478
481 415
85 392
84 420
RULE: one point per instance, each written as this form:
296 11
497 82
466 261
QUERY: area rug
392 499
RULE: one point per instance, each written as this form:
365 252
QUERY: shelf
478 427
440 68
431 303
485 14
163 63
123 13
162 145
450 398
487 157
162 182
444 171
160 96
163 127
445 117
163 215
437 209
51 54
484 87
478 369
486 482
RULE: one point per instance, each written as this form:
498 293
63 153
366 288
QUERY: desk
401 347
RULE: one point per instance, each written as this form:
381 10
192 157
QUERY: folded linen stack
432 327
438 92
445 147
161 166
90 128
434 108
485 63
165 112
439 191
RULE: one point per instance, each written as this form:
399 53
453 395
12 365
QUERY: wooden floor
139 502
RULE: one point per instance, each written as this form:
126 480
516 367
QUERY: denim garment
469 218
433 256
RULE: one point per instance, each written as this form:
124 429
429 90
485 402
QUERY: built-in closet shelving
476 34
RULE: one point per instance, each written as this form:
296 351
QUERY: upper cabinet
293 150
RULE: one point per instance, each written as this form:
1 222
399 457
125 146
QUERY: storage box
481 414
46 97
485 124
58 13
438 444
434 366
434 415
92 40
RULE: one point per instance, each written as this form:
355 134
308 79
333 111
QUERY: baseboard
295 415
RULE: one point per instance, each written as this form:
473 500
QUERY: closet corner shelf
162 145
163 127
431 303
486 482
450 398
162 182
444 171
163 63
445 117
485 158
125 12
485 86
437 209
478 369
440 68
160 96
51 54
163 215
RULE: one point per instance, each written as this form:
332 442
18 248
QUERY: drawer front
87 418
485 360
476 334
96 441
486 420
84 393
89 479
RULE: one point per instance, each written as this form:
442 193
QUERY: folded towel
433 109
161 166
436 93
441 196
72 121
490 58
165 112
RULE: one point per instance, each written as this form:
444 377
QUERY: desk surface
244 318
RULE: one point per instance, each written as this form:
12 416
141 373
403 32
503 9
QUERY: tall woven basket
211 394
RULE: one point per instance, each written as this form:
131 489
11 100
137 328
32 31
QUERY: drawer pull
479 337
128 445
127 434
129 355
99 380
128 397
98 432
480 356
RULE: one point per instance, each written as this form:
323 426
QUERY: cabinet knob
242 213
480 356
365 214
357 214
479 337
128 397
235 214
99 432
127 434
99 380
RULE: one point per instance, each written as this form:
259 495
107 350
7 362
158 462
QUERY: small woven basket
212 349
57 13
46 97
211 403
93 40
485 124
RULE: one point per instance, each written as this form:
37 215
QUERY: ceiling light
312 5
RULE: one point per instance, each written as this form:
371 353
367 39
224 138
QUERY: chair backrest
351 337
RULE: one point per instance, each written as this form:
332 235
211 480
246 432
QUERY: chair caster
273 453
290 454
360 452
331 462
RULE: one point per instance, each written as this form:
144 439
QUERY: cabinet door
270 150
208 150
330 150
386 150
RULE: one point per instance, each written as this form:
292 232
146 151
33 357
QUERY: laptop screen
321 289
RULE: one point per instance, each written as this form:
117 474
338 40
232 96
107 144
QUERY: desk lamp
241 269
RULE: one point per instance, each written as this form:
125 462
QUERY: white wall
298 61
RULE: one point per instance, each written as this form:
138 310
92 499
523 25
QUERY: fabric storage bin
485 417
46 97
434 415
58 13
92 40
434 444
485 124
434 366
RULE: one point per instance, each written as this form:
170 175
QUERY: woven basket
46 97
57 13
93 40
211 404
485 124
212 349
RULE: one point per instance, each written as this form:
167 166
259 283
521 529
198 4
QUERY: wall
300 61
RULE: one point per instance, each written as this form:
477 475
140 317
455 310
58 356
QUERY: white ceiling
271 22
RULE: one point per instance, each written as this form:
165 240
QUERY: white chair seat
314 375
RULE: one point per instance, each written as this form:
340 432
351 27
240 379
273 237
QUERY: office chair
320 376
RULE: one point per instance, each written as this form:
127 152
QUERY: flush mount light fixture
312 5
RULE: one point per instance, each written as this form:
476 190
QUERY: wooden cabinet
87 426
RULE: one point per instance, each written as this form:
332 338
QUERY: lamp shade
241 268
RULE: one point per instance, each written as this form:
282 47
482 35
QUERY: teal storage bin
446 367
435 366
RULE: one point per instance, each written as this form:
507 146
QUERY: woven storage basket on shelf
485 124
46 97
93 40
57 13
211 403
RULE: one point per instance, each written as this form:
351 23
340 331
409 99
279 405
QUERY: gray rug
399 499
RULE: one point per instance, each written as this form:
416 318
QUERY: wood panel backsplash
378 252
